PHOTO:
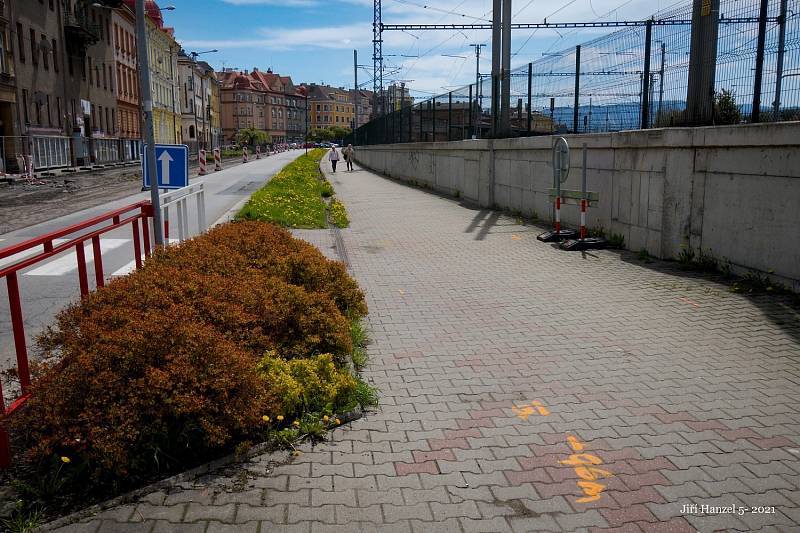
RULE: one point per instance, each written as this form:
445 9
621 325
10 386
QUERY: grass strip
339 214
293 198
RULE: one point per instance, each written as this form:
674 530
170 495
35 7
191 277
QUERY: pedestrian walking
348 156
334 157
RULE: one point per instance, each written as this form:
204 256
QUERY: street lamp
305 142
195 54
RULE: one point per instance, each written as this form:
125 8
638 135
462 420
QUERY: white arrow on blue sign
172 166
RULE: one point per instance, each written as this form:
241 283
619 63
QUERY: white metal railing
105 150
51 151
179 198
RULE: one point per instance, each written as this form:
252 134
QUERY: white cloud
332 37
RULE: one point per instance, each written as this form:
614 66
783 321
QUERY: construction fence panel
50 151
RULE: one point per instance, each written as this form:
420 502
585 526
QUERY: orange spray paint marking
584 465
579 459
575 444
515 238
592 491
539 407
526 411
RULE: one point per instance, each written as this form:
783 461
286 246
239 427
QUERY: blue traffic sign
172 166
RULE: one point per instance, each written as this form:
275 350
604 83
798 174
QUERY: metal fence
606 84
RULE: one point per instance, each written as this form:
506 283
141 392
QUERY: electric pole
477 79
355 93
505 72
147 109
497 43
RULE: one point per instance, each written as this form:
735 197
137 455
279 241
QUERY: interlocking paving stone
471 316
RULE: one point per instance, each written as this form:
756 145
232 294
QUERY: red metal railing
114 219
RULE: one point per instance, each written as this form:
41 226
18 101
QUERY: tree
253 137
725 109
332 133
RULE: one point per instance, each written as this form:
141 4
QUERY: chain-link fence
607 85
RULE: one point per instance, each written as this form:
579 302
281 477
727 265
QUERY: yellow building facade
162 51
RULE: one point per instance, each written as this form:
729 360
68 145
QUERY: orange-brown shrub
158 370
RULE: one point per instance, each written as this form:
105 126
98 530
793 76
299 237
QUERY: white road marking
27 253
125 270
67 262
130 267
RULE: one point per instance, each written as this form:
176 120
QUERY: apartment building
129 110
330 106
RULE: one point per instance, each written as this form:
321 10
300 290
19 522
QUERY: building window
45 56
20 43
3 64
54 47
25 115
49 115
34 55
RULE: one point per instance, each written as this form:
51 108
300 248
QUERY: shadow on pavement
782 309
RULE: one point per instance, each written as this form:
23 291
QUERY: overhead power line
559 25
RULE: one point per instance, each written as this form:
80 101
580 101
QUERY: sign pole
147 108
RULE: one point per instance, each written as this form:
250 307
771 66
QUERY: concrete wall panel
730 190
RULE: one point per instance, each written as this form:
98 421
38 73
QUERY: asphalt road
49 286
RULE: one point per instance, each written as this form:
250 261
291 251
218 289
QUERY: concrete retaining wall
733 191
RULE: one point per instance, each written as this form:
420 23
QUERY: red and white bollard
217 160
583 219
558 215
244 154
258 152
202 158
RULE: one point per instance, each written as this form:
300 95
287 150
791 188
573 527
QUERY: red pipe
98 262
137 250
83 279
18 328
146 235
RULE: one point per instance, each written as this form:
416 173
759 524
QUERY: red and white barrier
202 158
558 214
217 160
583 218
244 154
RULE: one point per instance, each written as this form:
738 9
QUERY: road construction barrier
202 158
584 242
217 160
570 239
244 154
560 173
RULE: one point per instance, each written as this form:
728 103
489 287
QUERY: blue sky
313 40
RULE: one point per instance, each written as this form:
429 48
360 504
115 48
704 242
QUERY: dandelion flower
280 418
265 418
65 459
326 418
338 422
296 423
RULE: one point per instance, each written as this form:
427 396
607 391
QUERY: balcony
79 32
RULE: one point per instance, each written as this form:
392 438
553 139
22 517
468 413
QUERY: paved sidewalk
526 389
